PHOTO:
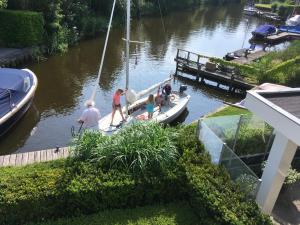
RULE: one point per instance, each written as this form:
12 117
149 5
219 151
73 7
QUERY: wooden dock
26 158
189 63
282 37
250 57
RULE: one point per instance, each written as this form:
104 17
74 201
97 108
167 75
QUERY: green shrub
250 140
211 192
265 1
3 4
21 28
90 25
187 138
274 6
285 10
53 190
139 147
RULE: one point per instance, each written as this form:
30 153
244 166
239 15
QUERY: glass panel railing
225 136
239 172
211 142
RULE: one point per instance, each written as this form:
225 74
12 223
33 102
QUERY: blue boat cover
265 29
291 29
14 79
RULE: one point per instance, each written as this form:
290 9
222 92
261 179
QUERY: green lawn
230 110
174 213
264 6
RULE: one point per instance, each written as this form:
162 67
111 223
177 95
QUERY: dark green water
66 81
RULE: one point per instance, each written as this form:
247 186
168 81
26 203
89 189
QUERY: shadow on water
67 80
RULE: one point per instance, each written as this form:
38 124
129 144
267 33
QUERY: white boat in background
293 21
250 10
135 103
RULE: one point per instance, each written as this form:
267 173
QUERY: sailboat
135 110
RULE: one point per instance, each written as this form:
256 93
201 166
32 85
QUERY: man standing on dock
90 116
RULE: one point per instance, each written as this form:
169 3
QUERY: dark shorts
116 106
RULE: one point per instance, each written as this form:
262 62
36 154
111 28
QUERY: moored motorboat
250 10
290 29
244 52
264 31
17 89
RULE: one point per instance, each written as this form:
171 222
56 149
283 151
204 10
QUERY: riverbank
15 57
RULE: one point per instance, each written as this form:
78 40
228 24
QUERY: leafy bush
211 192
53 190
138 148
265 1
274 6
280 67
21 28
91 25
3 4
250 140
285 10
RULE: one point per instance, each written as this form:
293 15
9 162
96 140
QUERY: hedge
21 28
245 70
214 197
52 190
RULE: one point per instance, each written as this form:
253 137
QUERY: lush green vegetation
230 110
3 4
21 28
67 21
283 8
131 149
87 184
250 140
174 213
280 67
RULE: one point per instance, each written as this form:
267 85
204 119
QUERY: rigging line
162 21
104 51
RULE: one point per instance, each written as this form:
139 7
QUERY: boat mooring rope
103 53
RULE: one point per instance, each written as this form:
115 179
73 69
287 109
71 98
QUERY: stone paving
287 207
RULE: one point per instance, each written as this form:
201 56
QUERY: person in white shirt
90 116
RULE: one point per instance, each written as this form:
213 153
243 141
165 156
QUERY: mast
127 50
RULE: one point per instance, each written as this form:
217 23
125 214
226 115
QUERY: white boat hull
169 112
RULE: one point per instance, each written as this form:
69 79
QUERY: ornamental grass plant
137 148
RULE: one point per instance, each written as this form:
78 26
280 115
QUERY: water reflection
66 81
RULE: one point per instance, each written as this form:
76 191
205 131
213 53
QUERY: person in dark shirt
166 91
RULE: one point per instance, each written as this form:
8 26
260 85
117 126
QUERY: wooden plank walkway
189 62
22 159
250 58
282 37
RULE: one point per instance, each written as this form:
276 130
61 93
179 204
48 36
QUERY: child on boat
150 106
116 105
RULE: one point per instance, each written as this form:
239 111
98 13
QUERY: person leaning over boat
90 116
116 105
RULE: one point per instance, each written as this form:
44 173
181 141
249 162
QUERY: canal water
66 81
